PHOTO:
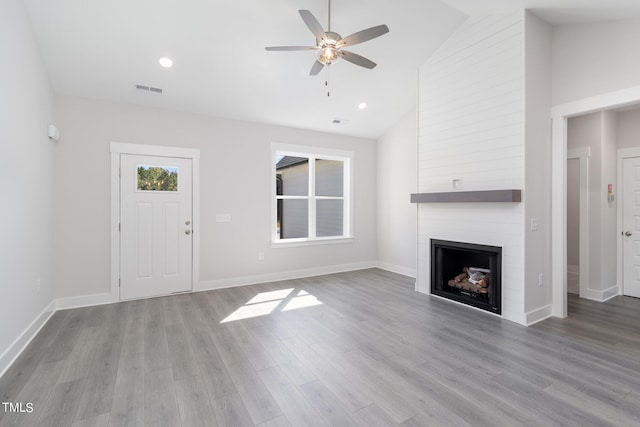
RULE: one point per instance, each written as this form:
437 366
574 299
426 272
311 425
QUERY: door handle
187 232
628 233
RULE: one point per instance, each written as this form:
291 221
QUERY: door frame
559 116
119 148
623 153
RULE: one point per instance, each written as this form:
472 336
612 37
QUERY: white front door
156 204
631 226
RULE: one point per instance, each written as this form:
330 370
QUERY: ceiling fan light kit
330 44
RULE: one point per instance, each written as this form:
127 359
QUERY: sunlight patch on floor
266 303
302 300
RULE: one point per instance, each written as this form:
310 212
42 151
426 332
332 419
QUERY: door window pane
329 220
329 178
157 178
293 219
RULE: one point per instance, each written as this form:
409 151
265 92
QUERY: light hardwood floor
370 352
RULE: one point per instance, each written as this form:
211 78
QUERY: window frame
313 154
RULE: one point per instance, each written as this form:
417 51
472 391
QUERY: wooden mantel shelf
489 196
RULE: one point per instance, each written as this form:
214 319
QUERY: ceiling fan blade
363 36
317 66
354 58
289 48
313 24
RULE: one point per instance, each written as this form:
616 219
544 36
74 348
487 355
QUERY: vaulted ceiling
102 49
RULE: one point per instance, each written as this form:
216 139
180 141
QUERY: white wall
628 132
235 179
471 127
397 179
596 58
26 229
537 168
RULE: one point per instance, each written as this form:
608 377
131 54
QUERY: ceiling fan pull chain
326 82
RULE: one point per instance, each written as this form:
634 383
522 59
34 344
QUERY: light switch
534 224
223 217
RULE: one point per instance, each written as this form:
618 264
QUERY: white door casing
631 226
583 154
150 262
155 230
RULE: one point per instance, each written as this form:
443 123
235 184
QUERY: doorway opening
560 115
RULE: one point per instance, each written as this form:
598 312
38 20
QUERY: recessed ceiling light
165 62
362 105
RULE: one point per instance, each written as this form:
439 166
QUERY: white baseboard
538 315
613 291
573 269
600 296
207 285
18 346
409 272
83 301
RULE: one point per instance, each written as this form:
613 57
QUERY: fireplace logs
472 280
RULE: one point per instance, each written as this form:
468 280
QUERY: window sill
290 243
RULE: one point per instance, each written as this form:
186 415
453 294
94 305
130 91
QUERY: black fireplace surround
449 259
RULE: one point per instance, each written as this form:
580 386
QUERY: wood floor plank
193 403
134 332
160 406
156 348
183 359
292 402
229 410
373 416
326 404
99 421
338 379
255 396
276 422
60 409
128 396
79 362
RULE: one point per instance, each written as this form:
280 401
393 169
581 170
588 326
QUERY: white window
311 194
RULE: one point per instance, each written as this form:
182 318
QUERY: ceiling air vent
149 88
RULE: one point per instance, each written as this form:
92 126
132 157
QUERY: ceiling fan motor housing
329 52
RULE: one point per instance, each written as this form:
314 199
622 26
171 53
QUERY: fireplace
468 273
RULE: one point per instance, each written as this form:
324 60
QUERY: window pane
329 221
292 176
157 178
329 178
293 219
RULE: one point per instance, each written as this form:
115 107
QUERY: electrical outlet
260 256
540 281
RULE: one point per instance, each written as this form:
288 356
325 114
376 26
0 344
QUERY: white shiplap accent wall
471 127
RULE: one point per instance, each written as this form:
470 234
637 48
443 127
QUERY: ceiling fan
330 44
